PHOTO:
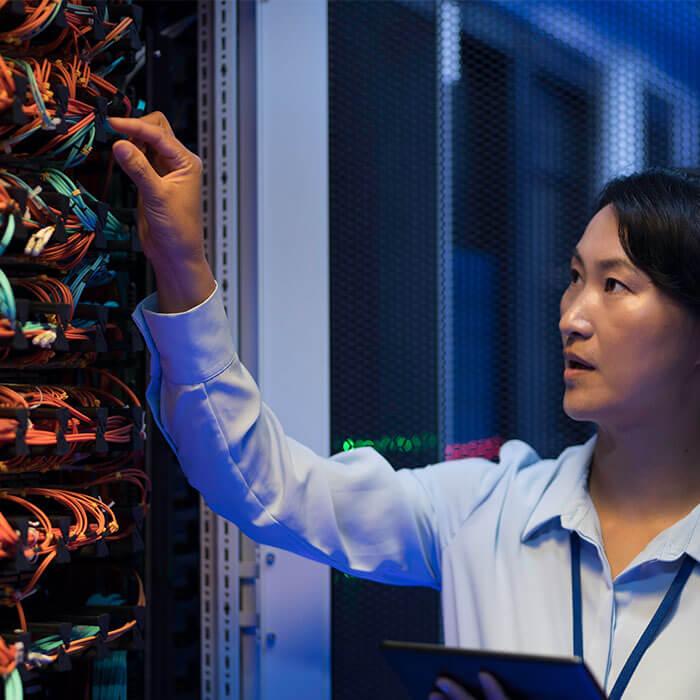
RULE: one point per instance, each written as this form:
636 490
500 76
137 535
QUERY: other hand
451 690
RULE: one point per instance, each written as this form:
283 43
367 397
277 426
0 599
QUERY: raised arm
352 510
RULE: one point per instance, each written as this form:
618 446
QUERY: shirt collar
682 537
565 496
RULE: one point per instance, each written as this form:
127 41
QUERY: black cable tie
62 551
137 429
137 643
61 343
19 340
137 515
101 446
136 541
61 96
135 42
101 549
22 309
100 117
21 447
14 12
98 28
60 21
62 662
116 104
61 442
16 114
101 209
59 233
20 196
21 233
100 338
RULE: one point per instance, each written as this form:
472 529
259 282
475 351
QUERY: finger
453 690
491 687
135 164
162 142
159 119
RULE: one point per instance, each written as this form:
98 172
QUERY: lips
574 361
572 364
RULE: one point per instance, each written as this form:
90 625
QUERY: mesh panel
467 143
383 294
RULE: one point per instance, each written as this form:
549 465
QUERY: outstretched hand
451 690
169 182
169 179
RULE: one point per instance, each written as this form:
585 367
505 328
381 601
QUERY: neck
647 472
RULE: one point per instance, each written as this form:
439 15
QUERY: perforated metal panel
467 143
384 294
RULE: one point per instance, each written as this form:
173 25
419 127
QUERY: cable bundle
38 17
79 429
72 484
82 225
92 520
41 218
78 28
64 100
47 649
50 292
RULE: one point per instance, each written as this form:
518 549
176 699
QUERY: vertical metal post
220 652
248 322
247 119
449 72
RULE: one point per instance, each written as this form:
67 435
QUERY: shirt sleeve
352 511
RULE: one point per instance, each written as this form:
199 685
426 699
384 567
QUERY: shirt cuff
194 345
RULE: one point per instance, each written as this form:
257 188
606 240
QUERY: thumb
491 687
135 164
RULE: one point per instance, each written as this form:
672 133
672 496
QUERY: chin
581 408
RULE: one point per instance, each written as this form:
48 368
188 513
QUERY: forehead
601 238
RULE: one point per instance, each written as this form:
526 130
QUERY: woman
574 554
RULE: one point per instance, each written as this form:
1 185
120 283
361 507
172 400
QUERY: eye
575 277
611 283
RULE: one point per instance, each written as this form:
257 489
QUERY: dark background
484 173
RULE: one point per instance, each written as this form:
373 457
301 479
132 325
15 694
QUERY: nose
574 318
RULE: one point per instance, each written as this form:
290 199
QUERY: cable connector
38 240
44 339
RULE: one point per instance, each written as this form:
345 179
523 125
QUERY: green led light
392 443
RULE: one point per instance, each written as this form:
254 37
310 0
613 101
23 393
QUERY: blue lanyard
649 633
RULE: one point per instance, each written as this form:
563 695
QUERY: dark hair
658 211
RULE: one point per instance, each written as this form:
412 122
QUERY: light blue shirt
493 538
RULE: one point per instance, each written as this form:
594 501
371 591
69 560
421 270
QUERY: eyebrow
605 264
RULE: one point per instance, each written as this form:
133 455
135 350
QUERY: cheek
640 355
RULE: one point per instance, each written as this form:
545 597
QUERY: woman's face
642 346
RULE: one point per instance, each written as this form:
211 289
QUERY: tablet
523 677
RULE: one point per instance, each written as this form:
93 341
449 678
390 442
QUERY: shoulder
477 476
514 483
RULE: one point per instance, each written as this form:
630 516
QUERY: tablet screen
523 677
